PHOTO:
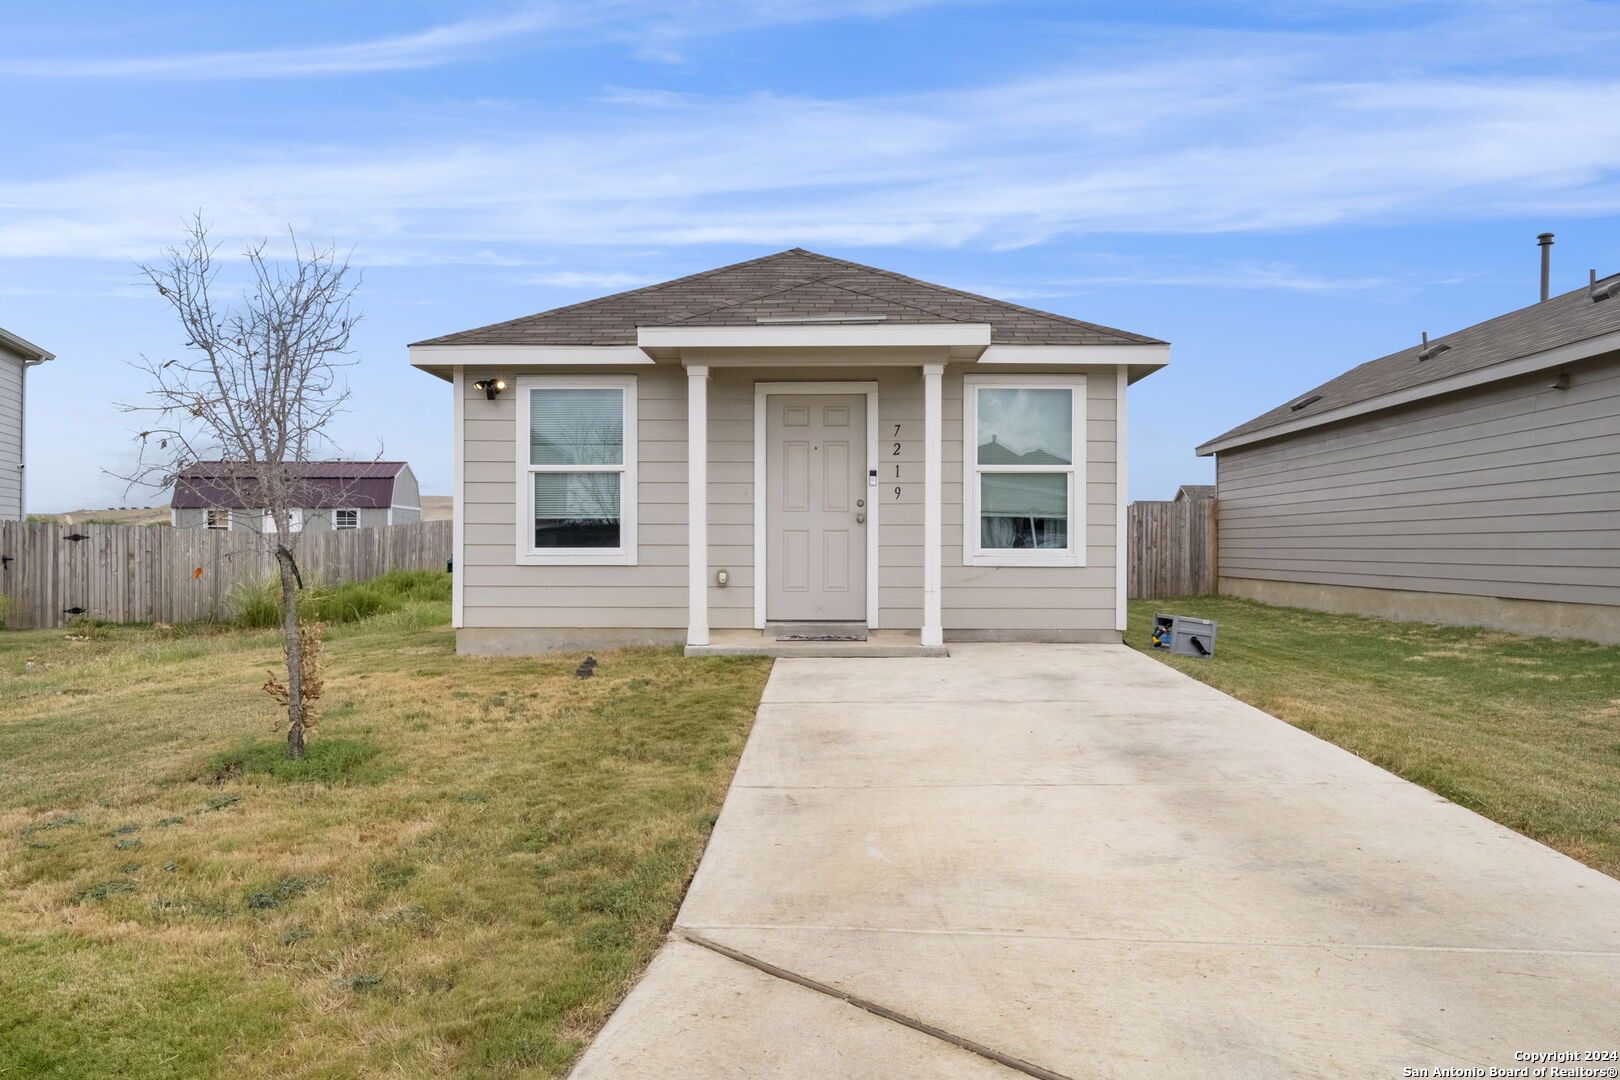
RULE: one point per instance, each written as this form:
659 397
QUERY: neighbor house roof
31 353
1557 330
359 485
1195 491
789 285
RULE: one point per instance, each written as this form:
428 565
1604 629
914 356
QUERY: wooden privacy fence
51 574
1171 549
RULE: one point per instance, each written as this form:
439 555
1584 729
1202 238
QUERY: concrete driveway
1071 861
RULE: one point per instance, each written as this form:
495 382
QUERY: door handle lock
860 502
860 518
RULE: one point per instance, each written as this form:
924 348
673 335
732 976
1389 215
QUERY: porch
878 644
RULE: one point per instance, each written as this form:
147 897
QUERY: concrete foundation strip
874 1008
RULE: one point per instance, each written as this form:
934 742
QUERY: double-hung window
576 470
1023 493
346 519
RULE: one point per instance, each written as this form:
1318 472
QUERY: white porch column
697 504
933 452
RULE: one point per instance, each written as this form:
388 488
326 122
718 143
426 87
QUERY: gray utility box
1183 636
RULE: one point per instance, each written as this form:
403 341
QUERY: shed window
345 519
1024 441
217 519
576 470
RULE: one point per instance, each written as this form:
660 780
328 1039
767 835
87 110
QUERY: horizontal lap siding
499 593
11 436
1510 491
652 594
1035 598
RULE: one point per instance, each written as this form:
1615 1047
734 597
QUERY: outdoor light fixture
490 387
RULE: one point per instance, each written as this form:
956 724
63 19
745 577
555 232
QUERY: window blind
576 427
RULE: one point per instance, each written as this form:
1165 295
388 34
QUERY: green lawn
464 877
1525 731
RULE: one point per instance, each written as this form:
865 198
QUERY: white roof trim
1524 365
446 356
31 353
864 335
1145 355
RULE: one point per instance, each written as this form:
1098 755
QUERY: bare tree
257 389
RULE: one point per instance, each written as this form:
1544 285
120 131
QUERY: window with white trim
576 470
1023 497
345 519
295 516
217 519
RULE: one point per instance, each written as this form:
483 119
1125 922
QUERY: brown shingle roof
793 283
1561 320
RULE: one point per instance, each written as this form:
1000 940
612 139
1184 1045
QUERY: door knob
860 518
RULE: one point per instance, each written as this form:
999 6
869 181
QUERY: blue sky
1282 190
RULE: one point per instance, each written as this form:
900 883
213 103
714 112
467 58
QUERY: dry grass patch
461 880
1522 730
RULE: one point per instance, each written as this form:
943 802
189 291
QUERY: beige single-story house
775 449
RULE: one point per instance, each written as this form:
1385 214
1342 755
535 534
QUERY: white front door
815 509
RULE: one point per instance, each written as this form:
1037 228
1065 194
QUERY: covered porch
844 476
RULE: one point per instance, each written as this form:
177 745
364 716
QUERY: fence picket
143 573
1171 549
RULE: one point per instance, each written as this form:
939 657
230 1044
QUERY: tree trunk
294 651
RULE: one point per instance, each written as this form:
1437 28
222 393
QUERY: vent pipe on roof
1545 242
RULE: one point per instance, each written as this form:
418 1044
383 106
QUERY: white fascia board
1124 355
438 358
1467 380
31 354
864 335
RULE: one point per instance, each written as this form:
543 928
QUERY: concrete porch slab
879 644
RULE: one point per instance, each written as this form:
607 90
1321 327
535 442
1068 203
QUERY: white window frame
345 510
267 522
208 522
972 553
625 553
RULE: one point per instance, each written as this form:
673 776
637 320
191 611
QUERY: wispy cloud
426 48
588 280
1226 136
654 30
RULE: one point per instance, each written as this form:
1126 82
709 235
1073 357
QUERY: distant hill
434 508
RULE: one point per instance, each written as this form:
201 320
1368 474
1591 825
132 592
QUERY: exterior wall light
491 387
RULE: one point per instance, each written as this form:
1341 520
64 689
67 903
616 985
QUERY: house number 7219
896 453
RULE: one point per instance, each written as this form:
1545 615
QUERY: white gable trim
1154 355
778 336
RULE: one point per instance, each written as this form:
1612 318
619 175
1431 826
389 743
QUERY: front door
815 507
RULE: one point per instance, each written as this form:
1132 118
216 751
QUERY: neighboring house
780 442
1474 479
16 357
1190 492
332 495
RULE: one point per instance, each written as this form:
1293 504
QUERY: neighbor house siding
250 520
652 594
407 502
11 435
1512 490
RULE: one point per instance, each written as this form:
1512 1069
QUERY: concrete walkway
1083 862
